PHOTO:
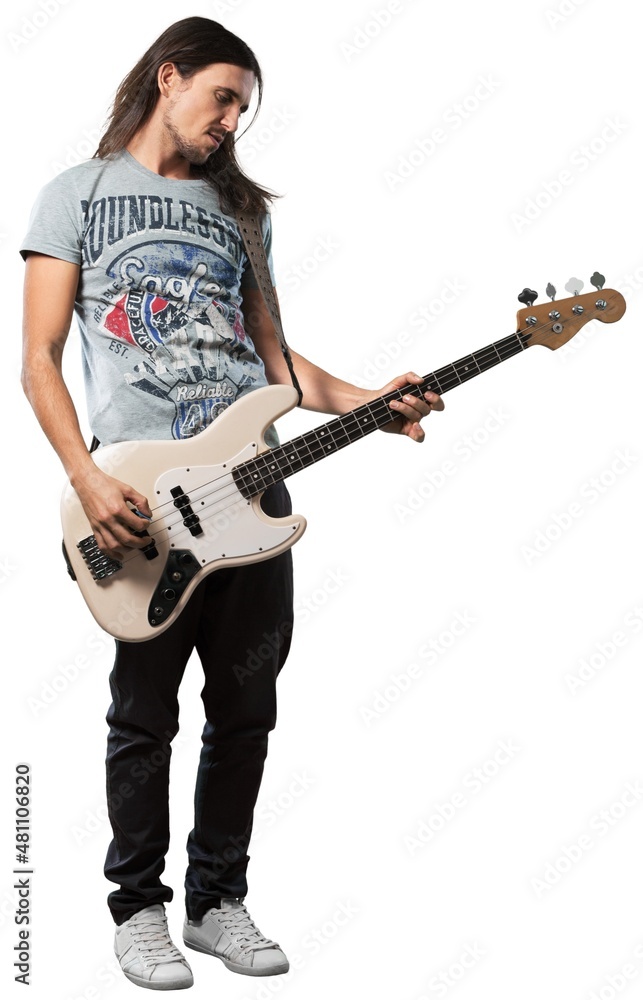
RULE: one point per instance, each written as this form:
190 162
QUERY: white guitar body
143 596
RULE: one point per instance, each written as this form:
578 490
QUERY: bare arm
50 289
322 391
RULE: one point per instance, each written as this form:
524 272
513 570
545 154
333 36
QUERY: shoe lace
246 933
153 940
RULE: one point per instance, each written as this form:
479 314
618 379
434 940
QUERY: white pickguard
230 524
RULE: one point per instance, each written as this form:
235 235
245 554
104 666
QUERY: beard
194 154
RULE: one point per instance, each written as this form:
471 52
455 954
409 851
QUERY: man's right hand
112 521
46 326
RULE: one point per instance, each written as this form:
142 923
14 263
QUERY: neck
154 149
253 476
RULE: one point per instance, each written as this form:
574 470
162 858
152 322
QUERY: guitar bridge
100 566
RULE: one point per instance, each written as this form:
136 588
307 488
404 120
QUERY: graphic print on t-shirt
169 300
160 297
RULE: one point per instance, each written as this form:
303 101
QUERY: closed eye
226 97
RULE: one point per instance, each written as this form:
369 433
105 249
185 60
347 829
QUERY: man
142 242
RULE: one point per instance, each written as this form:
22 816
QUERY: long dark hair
191 44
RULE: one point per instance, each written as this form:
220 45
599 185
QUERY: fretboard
255 475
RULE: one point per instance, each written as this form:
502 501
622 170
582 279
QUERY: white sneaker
147 955
230 934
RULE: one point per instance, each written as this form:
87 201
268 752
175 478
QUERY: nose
230 120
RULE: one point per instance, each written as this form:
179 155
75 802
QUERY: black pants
240 621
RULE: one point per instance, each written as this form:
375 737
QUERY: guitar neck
255 475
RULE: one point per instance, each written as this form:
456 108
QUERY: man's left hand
410 409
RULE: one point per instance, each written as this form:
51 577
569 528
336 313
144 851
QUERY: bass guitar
205 491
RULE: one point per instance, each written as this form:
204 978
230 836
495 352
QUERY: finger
436 402
108 544
411 407
118 529
129 536
415 432
125 518
133 523
140 502
401 380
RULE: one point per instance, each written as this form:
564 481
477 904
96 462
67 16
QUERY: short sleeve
248 277
55 223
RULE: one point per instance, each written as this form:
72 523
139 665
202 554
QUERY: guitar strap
250 229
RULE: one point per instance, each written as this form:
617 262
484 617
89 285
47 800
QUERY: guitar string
377 408
380 402
239 499
452 376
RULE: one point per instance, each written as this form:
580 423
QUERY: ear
168 79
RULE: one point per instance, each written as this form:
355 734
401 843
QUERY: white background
350 806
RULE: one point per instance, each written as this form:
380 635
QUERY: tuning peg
598 280
551 291
528 296
574 285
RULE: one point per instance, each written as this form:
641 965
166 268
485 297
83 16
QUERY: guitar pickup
150 551
192 524
190 519
100 566
180 498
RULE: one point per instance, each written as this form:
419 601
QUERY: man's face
201 110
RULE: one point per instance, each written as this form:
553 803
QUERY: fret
485 359
449 371
278 461
466 368
308 454
325 440
256 474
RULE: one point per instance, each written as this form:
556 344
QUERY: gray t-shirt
159 302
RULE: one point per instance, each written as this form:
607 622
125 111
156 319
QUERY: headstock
553 324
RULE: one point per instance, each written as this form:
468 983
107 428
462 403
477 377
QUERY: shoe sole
148 985
244 970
